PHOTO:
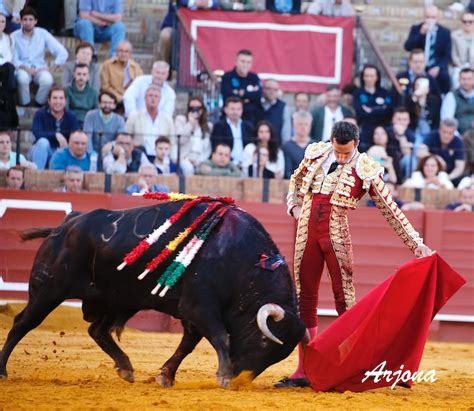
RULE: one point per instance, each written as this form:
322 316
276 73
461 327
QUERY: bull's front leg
209 324
191 338
221 344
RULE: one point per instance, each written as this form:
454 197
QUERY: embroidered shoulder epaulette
315 150
367 168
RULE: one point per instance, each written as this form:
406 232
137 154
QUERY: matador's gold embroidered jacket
347 185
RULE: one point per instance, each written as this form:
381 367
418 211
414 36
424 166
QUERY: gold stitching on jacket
342 246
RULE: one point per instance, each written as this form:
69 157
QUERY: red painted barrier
377 250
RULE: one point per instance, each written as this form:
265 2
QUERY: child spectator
162 161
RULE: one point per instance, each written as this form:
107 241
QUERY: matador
330 180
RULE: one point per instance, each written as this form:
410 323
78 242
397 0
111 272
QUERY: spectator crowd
111 116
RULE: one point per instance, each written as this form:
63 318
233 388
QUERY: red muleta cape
390 323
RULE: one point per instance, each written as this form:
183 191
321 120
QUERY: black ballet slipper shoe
292 383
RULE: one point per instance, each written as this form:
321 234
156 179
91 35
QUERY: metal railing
194 74
366 51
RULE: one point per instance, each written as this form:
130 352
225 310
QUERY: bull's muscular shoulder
315 150
367 168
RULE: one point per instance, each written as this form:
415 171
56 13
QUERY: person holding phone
424 108
194 130
435 40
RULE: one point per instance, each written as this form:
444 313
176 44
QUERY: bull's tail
32 233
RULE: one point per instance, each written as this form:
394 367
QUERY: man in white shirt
121 157
134 97
30 43
326 116
232 130
150 123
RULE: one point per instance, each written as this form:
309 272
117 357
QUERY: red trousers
319 250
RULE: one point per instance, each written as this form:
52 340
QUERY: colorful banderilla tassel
174 272
170 196
172 245
180 196
145 244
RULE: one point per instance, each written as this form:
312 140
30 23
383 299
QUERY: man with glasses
51 127
121 156
103 122
275 111
119 71
435 40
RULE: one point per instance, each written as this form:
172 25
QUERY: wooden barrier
251 189
121 181
215 186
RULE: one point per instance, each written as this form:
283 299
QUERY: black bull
243 310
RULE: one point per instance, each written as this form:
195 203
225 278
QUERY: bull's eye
263 341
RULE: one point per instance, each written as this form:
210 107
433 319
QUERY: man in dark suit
232 130
326 116
435 40
416 68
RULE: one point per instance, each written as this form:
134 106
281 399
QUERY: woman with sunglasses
194 131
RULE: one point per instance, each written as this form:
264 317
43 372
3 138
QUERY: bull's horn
269 310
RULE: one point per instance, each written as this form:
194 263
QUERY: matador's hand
296 212
423 251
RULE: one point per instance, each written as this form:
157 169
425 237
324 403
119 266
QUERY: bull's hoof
224 382
164 381
126 375
3 374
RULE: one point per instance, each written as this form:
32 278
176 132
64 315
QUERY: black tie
333 167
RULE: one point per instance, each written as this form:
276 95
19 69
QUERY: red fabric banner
302 52
390 324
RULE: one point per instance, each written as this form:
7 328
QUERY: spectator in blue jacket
75 154
51 127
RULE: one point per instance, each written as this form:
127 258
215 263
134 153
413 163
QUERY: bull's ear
270 263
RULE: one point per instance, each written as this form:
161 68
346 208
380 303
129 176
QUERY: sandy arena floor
58 366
